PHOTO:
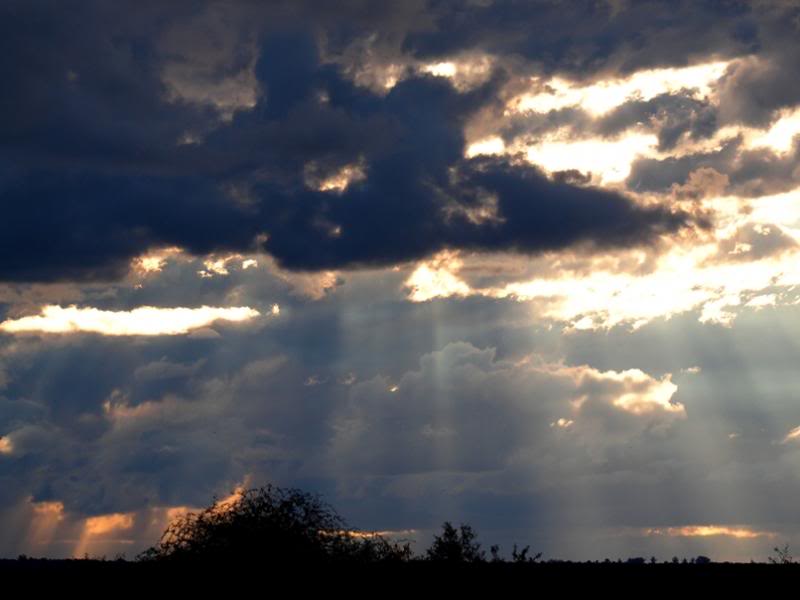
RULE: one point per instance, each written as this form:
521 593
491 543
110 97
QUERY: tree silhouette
271 524
456 545
521 556
782 556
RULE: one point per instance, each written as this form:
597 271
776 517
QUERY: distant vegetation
286 525
270 535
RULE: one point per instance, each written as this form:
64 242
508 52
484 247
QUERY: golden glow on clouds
45 520
219 265
656 396
342 179
145 320
737 532
633 390
365 535
105 523
226 503
337 181
780 135
679 284
154 260
602 96
608 160
435 278
778 138
464 72
486 146
441 69
49 509
104 528
793 435
716 276
6 447
50 525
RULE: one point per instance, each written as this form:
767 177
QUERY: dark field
417 577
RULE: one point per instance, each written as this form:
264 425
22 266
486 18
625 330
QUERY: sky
530 266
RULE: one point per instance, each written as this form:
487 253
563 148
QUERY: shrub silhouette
273 524
456 545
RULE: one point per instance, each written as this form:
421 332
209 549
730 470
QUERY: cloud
244 179
561 376
145 320
738 532
465 411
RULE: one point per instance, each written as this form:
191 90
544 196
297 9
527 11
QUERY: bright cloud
604 95
609 160
336 181
436 278
154 261
792 436
106 523
632 391
739 532
145 320
718 277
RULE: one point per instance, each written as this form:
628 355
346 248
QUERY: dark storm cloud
588 37
93 171
87 224
534 214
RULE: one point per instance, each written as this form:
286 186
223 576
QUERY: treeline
287 525
272 525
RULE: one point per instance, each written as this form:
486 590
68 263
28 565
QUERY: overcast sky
531 266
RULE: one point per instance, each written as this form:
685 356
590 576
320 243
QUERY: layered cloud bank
528 265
